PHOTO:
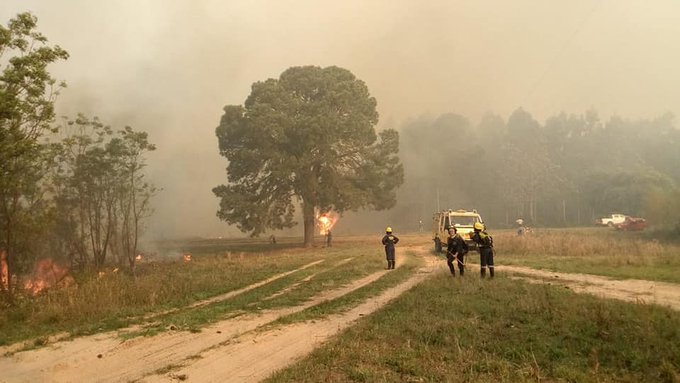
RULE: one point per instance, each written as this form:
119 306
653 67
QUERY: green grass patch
448 330
295 288
356 297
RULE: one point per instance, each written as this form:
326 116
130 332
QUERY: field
335 314
598 251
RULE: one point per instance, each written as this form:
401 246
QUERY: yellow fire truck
462 220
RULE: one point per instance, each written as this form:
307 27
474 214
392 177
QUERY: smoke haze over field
169 68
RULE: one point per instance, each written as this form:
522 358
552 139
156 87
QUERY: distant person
389 240
520 226
329 238
272 239
455 251
420 225
437 243
485 244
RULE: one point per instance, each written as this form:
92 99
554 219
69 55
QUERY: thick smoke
169 67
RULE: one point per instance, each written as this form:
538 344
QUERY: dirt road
233 350
631 290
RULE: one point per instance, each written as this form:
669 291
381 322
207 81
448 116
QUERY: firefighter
389 240
437 243
455 250
485 244
329 238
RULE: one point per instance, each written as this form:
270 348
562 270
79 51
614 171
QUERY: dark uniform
485 244
456 248
437 243
389 240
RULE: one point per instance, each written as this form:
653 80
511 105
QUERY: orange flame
4 271
138 257
102 274
47 274
186 257
326 223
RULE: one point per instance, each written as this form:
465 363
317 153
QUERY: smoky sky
169 67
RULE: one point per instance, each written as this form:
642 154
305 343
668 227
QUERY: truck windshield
464 221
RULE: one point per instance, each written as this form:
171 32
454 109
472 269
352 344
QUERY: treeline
566 171
75 190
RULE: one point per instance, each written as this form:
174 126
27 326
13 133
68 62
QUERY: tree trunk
309 222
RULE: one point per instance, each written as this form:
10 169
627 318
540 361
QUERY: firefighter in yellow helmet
389 240
485 245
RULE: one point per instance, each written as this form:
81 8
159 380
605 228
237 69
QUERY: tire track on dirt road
234 293
105 358
630 290
307 279
256 355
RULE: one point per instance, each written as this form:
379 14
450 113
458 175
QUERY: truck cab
462 220
611 220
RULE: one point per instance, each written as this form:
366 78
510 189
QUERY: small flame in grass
186 257
47 274
138 257
102 274
326 222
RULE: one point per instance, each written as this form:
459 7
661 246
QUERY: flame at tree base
325 222
4 271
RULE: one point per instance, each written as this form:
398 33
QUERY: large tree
27 94
308 137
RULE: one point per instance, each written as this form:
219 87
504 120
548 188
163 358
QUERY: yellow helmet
479 226
388 230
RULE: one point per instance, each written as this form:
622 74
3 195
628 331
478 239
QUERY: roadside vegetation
448 330
115 300
600 251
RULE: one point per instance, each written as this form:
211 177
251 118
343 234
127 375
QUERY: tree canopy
307 137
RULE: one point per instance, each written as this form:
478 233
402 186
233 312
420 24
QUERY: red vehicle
632 224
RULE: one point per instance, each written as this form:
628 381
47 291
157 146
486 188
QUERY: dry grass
592 251
581 243
114 300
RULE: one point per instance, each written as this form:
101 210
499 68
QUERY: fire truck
462 220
